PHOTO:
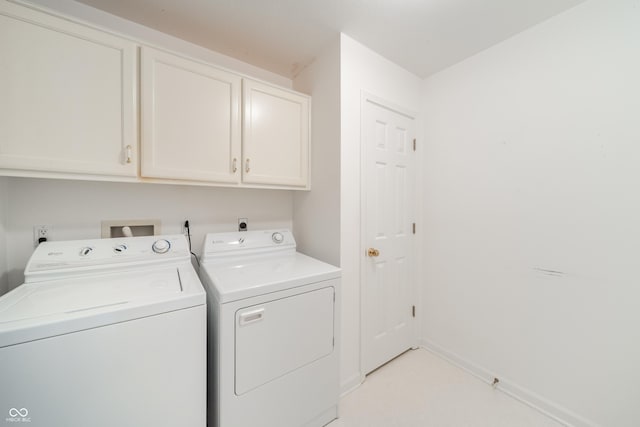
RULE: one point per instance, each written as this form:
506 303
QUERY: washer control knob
161 246
120 248
277 237
86 251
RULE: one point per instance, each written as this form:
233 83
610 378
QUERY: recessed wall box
139 227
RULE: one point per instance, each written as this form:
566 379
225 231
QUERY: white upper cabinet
69 108
275 129
67 97
190 120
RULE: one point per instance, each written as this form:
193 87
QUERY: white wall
146 35
361 70
74 209
4 276
316 213
532 213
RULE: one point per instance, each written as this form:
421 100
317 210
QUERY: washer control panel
106 253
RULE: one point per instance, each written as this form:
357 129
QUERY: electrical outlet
40 232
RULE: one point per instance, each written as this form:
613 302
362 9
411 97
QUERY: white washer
273 331
103 333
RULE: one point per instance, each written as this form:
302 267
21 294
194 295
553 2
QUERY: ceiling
282 36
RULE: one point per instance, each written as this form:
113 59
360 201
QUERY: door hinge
414 228
413 310
414 144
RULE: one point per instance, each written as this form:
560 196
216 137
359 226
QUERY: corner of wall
4 202
316 213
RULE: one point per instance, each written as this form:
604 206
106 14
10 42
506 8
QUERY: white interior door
388 239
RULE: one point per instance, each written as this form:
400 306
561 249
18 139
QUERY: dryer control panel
79 256
247 243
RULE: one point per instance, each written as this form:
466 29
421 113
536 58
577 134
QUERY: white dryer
107 332
273 331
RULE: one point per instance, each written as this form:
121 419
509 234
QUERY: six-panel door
388 211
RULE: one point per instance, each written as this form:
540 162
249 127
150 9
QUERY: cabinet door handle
246 166
235 165
129 153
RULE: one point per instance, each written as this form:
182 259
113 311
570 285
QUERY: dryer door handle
251 316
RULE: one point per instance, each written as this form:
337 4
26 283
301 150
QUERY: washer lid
39 310
244 277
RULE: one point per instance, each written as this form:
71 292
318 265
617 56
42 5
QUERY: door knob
372 252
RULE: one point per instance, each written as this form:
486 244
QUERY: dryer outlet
40 232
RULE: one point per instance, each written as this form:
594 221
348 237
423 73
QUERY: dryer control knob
120 248
277 237
161 246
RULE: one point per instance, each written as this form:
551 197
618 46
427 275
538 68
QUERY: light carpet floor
419 389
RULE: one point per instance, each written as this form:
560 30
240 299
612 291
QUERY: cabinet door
190 120
275 145
67 96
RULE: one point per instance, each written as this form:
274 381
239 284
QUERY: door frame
364 98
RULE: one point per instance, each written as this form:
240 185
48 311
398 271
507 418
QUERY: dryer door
277 337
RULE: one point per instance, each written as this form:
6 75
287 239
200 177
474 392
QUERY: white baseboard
537 402
350 384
